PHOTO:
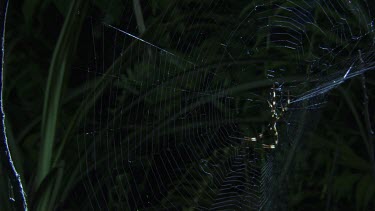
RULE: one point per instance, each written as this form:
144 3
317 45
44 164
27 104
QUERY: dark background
326 155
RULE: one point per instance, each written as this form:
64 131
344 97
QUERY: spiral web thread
171 114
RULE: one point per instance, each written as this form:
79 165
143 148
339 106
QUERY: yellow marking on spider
276 116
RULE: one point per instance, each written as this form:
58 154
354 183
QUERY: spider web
171 112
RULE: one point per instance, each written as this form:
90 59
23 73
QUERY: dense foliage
46 48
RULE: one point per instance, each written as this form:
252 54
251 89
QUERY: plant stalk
5 155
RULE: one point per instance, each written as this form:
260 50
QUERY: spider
277 109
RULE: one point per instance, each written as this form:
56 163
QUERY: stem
5 155
366 113
370 132
139 16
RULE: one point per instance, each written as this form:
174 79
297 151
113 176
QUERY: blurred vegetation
46 48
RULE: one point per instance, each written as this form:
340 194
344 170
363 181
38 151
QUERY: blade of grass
139 16
60 64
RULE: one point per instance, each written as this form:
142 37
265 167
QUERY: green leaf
370 195
62 6
28 8
364 187
351 159
60 65
344 185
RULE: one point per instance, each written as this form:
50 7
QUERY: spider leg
276 134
